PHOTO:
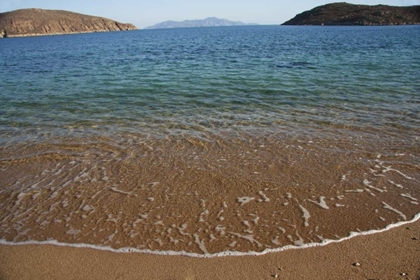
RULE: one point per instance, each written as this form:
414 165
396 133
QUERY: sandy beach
394 254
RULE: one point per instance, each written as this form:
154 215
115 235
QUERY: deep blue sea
209 141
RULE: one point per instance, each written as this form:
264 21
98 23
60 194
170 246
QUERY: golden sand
205 196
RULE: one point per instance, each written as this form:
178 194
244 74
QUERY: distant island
38 22
210 21
349 14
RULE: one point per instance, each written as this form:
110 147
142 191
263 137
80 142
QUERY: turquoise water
207 80
209 141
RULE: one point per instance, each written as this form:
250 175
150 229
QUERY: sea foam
207 255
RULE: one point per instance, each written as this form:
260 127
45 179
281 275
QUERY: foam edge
221 254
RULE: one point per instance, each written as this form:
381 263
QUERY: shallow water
209 140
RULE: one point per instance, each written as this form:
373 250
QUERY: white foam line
321 202
354 191
367 184
221 254
395 184
407 195
389 168
387 206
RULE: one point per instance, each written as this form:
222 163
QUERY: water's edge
221 254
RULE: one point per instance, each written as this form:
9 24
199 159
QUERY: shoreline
215 255
63 33
225 208
392 254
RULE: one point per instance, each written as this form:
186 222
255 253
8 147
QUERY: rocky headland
349 14
38 22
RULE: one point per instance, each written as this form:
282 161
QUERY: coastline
392 254
55 34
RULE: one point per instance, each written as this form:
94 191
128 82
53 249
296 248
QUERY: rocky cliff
349 14
37 22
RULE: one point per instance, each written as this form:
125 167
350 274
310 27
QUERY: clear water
212 79
209 141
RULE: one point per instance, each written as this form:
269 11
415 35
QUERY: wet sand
393 254
207 198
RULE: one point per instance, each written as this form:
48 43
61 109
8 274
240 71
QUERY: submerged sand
221 195
393 254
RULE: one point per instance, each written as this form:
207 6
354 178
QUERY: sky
149 12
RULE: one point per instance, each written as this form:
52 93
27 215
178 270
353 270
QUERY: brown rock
349 14
37 22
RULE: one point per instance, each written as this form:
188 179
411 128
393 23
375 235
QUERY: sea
209 142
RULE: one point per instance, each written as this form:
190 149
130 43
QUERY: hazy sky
149 12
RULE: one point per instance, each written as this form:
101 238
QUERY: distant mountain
349 14
211 21
37 22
